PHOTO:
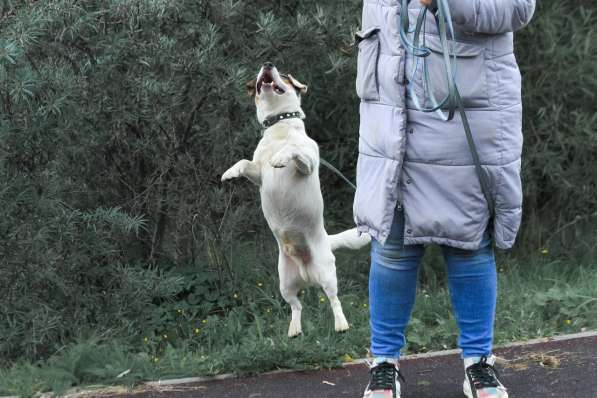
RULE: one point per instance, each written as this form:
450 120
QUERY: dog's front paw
280 159
231 173
235 171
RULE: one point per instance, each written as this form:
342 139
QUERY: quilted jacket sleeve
492 16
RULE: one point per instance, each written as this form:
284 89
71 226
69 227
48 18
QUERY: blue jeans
472 281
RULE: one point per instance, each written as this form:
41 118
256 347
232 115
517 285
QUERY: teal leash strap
452 102
421 52
335 170
483 179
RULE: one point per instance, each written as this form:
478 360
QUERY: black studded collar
270 121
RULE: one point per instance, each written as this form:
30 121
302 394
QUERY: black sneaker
481 379
383 381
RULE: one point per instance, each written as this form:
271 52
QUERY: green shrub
558 53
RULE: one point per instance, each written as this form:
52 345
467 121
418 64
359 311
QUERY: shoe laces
482 375
383 376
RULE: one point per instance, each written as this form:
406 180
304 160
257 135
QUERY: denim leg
472 280
392 289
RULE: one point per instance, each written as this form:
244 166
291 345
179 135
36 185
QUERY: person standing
416 178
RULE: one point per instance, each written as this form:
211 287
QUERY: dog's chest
268 146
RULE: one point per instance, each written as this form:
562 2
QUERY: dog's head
275 92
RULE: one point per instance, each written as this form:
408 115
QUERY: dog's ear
251 87
300 87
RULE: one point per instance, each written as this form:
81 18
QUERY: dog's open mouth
267 83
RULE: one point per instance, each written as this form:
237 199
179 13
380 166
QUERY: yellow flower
156 359
197 330
347 358
235 295
165 336
204 321
259 284
545 252
365 305
322 299
145 339
568 322
268 310
179 311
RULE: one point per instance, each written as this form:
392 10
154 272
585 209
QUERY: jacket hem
503 245
443 241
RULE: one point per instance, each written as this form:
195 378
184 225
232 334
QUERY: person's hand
426 3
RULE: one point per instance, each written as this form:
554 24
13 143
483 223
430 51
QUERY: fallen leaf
347 358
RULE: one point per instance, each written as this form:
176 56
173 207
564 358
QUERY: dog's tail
349 239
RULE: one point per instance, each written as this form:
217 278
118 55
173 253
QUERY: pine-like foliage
118 117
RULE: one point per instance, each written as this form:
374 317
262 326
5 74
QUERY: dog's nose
268 66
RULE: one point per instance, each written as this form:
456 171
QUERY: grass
539 297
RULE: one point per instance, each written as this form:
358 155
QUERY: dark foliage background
117 119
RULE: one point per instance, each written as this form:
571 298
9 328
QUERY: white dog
285 166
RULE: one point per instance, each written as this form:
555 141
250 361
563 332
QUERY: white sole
374 395
466 389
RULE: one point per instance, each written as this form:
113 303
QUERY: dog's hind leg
289 287
340 322
330 287
329 283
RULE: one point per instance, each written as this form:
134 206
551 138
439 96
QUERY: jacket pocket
367 60
469 69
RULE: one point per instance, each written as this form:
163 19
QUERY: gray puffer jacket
415 160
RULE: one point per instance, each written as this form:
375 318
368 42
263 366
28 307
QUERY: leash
452 101
335 170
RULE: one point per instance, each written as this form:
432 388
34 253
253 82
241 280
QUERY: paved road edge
76 392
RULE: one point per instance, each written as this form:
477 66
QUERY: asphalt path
564 369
